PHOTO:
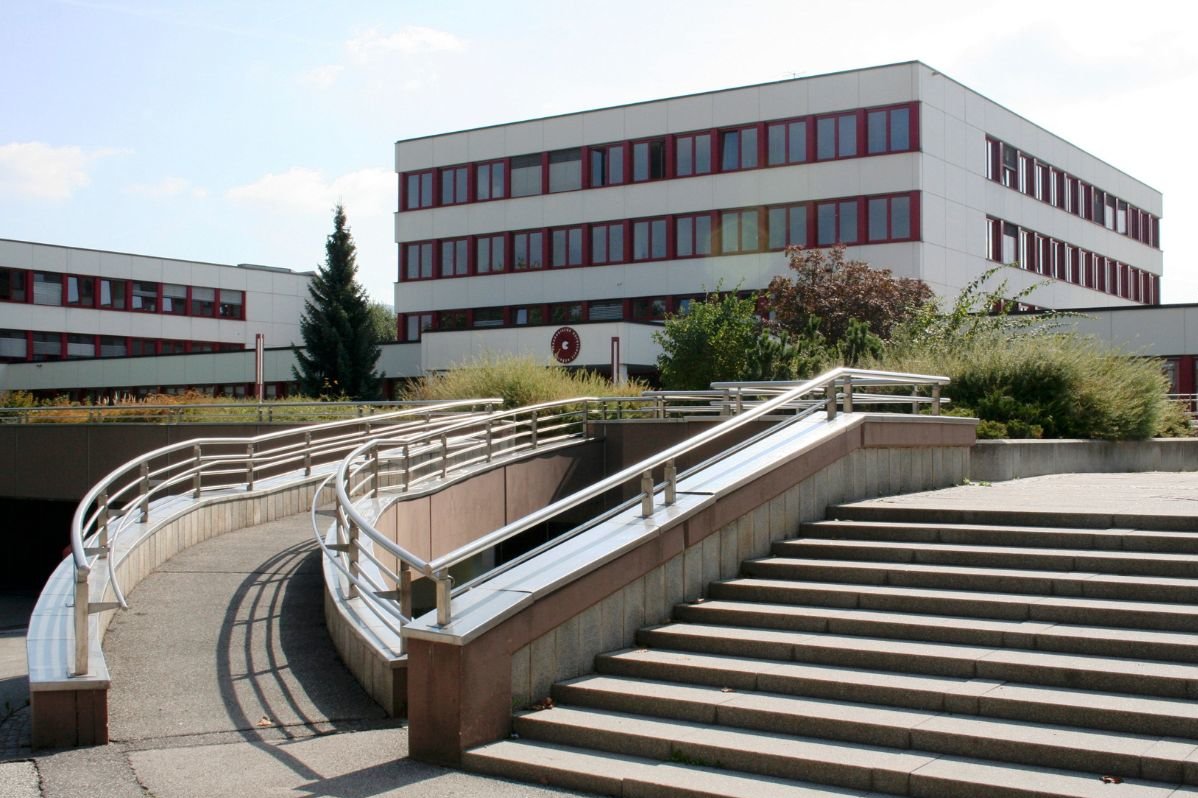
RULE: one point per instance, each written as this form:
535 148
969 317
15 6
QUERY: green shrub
519 381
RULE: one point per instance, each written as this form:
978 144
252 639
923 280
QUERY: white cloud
167 187
36 170
322 77
365 191
408 40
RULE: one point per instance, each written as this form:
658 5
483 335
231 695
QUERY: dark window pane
659 238
877 219
685 233
599 244
526 175
900 217
640 241
748 148
703 235
900 130
876 125
565 170
825 139
776 144
729 150
748 230
848 222
798 142
703 154
826 217
847 136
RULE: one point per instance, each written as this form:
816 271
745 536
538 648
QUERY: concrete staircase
922 656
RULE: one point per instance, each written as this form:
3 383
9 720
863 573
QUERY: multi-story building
62 303
604 219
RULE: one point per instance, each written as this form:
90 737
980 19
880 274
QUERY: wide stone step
614 774
1042 636
1146 677
1127 755
891 512
848 765
965 603
1004 580
1054 559
991 535
1094 709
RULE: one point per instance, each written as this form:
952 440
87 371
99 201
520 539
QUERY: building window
692 154
47 346
80 346
565 312
738 149
174 299
487 317
415 324
607 165
888 130
488 181
606 310
692 235
786 142
170 348
836 137
454 185
112 293
890 218
528 250
418 191
526 175
451 320
489 254
607 243
649 309
455 255
836 222
567 247
565 170
203 302
12 286
140 346
1010 166
418 261
143 296
739 231
648 160
529 314
787 226
14 345
81 291
649 239
47 288
232 304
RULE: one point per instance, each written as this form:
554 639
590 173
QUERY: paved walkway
226 684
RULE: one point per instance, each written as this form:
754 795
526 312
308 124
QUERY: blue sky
226 131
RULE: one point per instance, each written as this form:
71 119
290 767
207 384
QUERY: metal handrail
125 494
762 400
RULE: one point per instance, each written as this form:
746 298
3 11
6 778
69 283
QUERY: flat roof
252 266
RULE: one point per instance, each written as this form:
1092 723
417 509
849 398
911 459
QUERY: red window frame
892 142
886 205
419 190
834 123
454 185
426 255
779 221
562 251
656 239
840 220
608 162
496 249
735 228
530 244
486 186
689 241
791 151
688 149
656 160
740 148
615 238
453 257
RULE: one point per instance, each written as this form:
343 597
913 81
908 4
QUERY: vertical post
374 472
444 455
935 400
444 584
659 407
102 522
533 425
82 611
405 590
740 401
726 403
407 467
830 399
671 481
352 550
145 492
249 466
196 477
647 494
307 454
848 394
490 440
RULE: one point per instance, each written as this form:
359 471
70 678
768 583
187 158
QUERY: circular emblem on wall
565 344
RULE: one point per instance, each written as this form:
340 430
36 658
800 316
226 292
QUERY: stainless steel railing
405 461
125 496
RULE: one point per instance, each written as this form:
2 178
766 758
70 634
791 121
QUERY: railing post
405 590
102 522
444 455
647 494
307 454
490 440
848 394
374 472
249 466
671 481
830 399
533 425
82 611
444 584
726 403
935 400
196 478
659 407
740 401
145 492
352 550
259 412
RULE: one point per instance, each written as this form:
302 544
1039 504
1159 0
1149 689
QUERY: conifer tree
340 347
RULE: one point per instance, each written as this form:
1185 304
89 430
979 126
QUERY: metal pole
249 467
145 493
489 440
647 494
374 471
354 568
82 611
405 590
195 477
935 400
444 584
103 522
830 399
671 482
533 424
307 454
444 455
848 394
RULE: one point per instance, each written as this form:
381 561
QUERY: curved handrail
140 489
768 398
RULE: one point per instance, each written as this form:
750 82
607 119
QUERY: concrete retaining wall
998 461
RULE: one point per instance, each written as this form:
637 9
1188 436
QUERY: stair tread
541 758
1027 781
1021 551
943 526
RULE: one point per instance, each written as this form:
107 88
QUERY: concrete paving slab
19 780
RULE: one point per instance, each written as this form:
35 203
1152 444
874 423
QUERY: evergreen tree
340 346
